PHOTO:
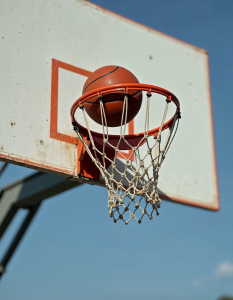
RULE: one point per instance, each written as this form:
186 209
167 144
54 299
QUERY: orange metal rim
125 88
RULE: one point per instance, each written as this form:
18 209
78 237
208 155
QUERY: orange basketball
113 103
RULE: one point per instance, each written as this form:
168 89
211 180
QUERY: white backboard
49 48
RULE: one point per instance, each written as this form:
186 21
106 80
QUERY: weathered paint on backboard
48 48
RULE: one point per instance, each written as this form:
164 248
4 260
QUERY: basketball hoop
135 180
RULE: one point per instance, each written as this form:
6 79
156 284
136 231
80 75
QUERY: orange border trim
56 64
213 136
194 203
142 25
38 166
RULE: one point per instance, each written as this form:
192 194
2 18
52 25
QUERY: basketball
113 103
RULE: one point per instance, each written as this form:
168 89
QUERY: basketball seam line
100 77
120 99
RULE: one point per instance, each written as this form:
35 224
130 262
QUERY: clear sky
73 251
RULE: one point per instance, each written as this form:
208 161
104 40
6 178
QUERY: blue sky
73 251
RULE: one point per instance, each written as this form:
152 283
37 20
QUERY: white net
133 189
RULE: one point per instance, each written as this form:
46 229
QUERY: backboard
49 48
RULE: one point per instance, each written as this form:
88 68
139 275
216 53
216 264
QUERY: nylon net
133 190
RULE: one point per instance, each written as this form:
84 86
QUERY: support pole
3 167
31 213
27 193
